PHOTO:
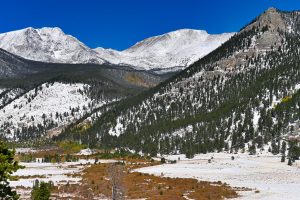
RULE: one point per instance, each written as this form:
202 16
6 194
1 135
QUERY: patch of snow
118 129
85 152
25 150
256 116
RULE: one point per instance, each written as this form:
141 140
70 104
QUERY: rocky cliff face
265 34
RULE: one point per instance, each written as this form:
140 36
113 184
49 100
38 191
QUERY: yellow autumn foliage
286 99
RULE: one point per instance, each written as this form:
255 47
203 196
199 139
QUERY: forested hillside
40 99
244 96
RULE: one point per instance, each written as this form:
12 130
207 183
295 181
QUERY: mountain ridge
53 45
176 49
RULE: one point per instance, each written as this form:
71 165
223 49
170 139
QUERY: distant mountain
171 51
243 96
168 52
48 45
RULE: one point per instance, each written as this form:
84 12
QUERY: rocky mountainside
11 65
243 96
169 52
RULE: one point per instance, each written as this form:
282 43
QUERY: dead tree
116 172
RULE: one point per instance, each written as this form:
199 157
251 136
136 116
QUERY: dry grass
135 79
96 183
27 177
154 187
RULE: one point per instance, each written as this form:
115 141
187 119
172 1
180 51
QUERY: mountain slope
50 106
11 65
37 98
44 103
171 51
241 97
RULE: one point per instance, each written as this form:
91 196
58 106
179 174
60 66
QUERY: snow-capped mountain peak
171 51
48 45
168 40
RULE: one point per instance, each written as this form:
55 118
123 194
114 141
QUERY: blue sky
119 24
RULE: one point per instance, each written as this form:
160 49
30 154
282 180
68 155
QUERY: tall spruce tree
7 166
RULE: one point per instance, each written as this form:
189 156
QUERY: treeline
48 158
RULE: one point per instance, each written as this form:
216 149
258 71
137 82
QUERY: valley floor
85 180
268 178
60 174
261 177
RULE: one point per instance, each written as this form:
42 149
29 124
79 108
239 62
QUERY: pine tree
7 166
41 191
252 149
283 149
290 163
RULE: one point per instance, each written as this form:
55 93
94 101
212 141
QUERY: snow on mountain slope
48 45
51 105
6 95
173 50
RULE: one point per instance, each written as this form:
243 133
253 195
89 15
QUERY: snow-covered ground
273 179
58 173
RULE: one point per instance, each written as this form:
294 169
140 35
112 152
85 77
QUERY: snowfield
274 180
